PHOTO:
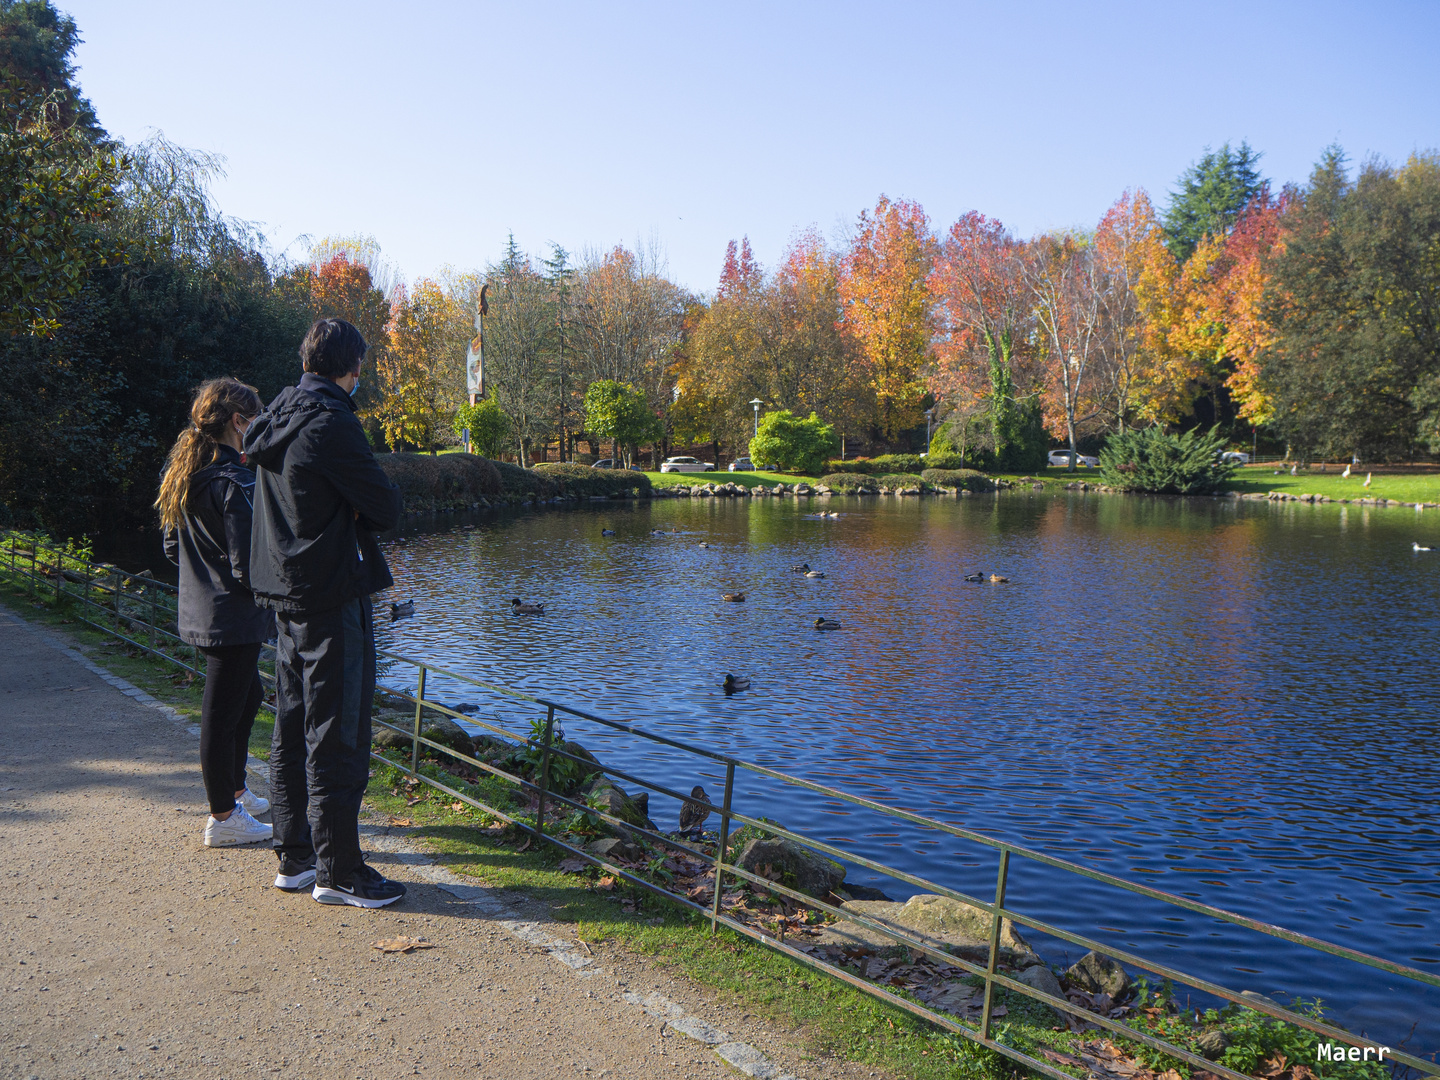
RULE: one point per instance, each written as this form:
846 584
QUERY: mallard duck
694 811
826 624
607 532
977 576
703 544
733 683
518 607
733 597
1420 547
998 580
829 513
804 566
815 573
402 609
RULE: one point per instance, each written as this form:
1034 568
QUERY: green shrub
849 483
524 483
896 463
436 481
901 480
488 426
942 461
793 443
968 479
1150 460
855 467
583 481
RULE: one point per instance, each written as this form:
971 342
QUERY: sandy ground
134 951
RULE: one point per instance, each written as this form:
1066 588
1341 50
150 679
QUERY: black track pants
320 755
227 713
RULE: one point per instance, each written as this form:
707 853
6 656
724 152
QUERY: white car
1061 459
685 464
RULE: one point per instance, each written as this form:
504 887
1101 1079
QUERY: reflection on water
1230 701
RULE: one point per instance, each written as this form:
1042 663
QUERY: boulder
943 923
609 799
1212 1044
1040 977
440 729
1097 974
800 868
612 847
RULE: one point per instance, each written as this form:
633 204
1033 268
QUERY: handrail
126 611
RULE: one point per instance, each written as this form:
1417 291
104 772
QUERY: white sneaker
254 805
238 828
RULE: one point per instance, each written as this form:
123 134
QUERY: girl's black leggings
232 698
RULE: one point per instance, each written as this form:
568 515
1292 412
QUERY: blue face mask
355 387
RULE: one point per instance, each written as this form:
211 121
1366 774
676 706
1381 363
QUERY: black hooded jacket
212 549
320 498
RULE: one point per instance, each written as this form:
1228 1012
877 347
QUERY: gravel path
134 951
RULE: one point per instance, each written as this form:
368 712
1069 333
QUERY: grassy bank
1403 487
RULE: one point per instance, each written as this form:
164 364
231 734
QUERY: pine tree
1212 194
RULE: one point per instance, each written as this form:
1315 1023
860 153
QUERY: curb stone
740 1056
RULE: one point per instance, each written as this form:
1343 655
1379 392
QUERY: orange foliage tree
887 307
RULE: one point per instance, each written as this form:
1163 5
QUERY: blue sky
440 127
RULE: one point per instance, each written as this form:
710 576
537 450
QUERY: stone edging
740 1056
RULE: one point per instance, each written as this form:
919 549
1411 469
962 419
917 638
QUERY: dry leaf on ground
416 799
572 865
402 944
457 806
607 882
401 822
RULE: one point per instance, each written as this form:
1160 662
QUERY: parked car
604 463
742 464
1235 457
685 464
1061 458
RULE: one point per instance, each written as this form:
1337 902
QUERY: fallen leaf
402 944
1059 1058
526 845
700 892
572 865
416 799
607 883
1169 1074
401 822
457 806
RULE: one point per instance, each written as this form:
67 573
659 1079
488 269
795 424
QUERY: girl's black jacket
212 549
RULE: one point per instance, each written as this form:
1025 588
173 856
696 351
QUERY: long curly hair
215 402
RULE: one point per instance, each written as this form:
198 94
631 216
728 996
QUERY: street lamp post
755 404
928 414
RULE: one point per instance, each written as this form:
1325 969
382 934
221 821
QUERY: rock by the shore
943 923
1097 974
613 847
440 729
1212 1044
609 799
1040 977
800 868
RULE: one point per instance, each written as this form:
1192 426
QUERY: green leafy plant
618 411
564 775
966 479
792 443
489 426
1150 460
849 483
583 481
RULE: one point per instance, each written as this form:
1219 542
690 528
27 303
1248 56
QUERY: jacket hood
293 409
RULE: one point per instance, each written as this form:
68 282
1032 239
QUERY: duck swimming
977 576
826 624
998 580
804 566
1420 547
607 532
518 607
733 597
402 610
815 573
734 683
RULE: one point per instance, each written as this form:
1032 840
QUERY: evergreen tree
1212 194
36 43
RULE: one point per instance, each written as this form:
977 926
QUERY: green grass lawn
1404 487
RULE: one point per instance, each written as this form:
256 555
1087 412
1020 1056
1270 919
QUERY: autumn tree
417 375
887 308
1128 229
985 361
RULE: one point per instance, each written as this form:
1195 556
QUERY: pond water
1227 700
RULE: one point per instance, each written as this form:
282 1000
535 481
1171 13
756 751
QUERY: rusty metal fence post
419 709
1000 881
724 842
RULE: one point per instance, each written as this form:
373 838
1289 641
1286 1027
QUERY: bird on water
733 597
519 607
976 576
402 609
1420 547
826 624
735 683
694 811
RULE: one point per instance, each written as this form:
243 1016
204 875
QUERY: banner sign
475 355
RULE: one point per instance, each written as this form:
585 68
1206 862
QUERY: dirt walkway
134 951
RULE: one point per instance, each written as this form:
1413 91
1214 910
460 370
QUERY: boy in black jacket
320 498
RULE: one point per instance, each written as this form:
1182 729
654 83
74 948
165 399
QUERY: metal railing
126 598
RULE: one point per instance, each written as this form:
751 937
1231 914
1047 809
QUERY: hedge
583 481
968 479
849 483
438 481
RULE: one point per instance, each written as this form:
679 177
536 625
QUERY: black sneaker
294 876
367 889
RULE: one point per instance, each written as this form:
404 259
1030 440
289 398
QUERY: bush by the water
800 445
1150 460
583 481
525 483
896 481
437 481
849 483
894 463
956 479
